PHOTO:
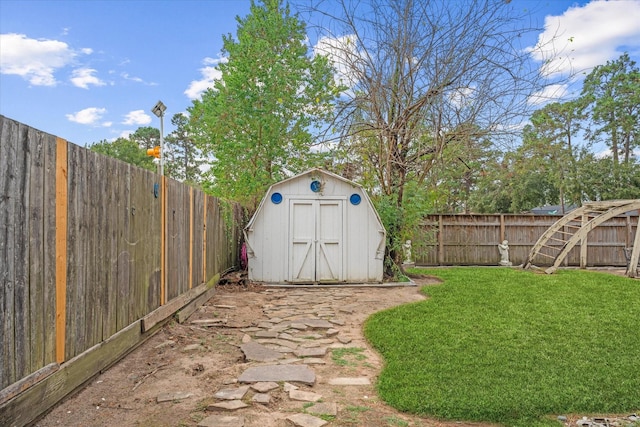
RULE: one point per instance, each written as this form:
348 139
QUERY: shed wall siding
269 231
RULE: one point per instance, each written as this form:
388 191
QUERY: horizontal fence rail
469 239
90 247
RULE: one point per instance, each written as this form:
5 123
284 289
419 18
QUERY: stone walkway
297 331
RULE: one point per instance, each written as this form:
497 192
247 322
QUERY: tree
549 140
612 92
126 150
183 158
421 75
146 137
601 183
257 120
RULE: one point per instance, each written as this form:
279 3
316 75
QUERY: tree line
415 100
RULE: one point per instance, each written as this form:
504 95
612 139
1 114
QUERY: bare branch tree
421 72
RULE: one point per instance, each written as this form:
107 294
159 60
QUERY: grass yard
513 347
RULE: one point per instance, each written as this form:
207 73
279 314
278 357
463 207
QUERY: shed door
316 241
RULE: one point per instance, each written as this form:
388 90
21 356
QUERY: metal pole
162 144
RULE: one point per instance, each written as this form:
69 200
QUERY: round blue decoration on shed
276 198
355 199
316 186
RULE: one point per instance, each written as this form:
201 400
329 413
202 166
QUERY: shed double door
316 241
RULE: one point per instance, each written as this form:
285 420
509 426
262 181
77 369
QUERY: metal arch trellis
590 215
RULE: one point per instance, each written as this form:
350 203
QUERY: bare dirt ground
200 360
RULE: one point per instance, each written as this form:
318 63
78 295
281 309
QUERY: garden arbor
574 228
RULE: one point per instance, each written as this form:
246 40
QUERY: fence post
163 243
61 247
190 237
584 245
204 240
440 241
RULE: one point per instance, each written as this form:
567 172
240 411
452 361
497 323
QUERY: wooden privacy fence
81 262
473 239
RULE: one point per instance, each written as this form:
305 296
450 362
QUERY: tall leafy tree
126 150
612 92
146 137
183 157
550 139
257 120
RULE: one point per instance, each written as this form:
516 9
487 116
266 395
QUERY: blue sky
92 70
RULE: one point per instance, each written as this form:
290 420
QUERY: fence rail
462 239
84 257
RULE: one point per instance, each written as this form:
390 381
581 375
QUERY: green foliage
601 179
404 223
127 150
182 158
257 120
612 94
146 137
512 347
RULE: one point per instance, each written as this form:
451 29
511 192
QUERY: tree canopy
256 122
125 149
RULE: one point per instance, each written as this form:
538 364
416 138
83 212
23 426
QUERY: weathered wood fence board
80 250
473 239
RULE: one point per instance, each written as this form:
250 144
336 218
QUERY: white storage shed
316 227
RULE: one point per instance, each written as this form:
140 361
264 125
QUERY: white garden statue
407 252
504 253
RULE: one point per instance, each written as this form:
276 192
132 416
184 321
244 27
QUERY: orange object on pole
154 152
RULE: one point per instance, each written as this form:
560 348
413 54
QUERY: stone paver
324 408
267 334
259 353
222 421
318 323
277 373
287 387
264 387
263 398
279 342
171 396
228 405
304 420
232 393
311 352
350 381
304 396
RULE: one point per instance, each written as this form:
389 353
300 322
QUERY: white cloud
83 77
343 53
210 74
137 117
461 97
88 116
548 94
34 60
584 37
126 76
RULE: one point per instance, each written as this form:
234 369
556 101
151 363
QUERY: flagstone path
298 329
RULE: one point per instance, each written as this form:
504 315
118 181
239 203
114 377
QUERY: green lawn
513 347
